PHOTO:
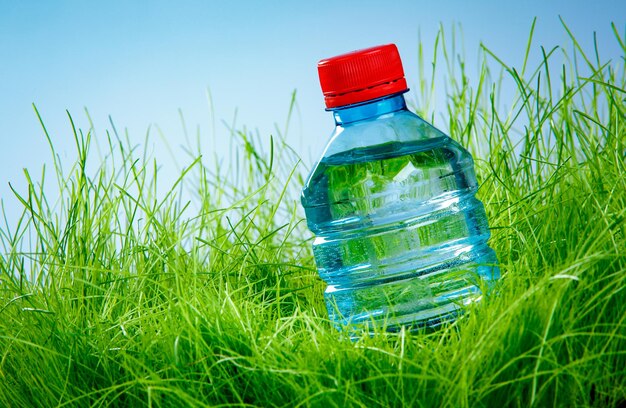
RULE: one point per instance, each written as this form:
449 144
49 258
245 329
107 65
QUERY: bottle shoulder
401 127
392 135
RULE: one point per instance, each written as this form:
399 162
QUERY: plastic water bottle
400 238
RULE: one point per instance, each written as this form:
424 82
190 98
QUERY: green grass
119 294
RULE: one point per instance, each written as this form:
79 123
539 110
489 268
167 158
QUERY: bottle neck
367 110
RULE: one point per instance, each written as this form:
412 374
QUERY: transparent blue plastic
400 237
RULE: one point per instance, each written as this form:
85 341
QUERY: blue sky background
141 61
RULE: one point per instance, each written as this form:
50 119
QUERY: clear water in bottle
400 235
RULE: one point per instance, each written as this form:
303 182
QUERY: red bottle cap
361 75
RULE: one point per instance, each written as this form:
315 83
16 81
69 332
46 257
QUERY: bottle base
416 310
426 320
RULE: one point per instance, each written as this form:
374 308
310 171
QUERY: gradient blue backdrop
141 61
